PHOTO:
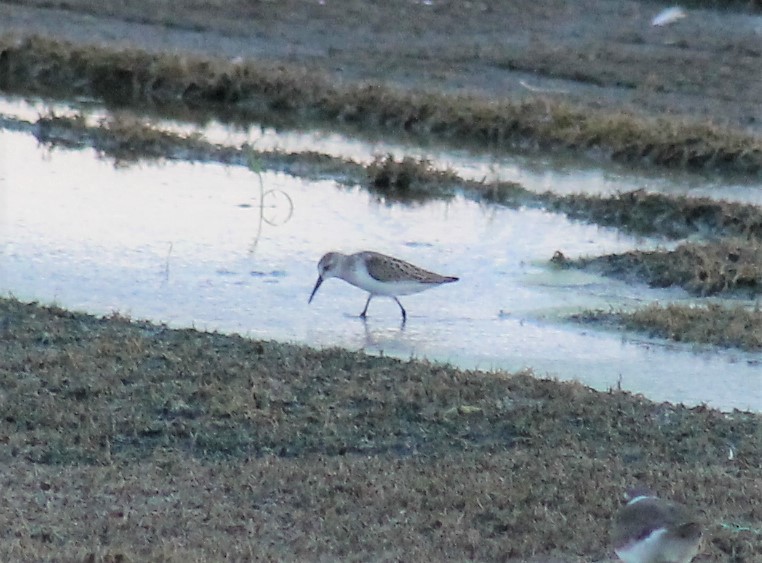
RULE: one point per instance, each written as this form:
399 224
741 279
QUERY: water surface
210 246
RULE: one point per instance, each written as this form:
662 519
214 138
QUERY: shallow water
209 246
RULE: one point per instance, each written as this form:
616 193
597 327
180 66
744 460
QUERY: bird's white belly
657 548
360 278
643 551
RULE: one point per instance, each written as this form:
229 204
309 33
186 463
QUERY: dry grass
726 267
714 324
409 180
126 138
129 441
121 137
664 215
729 266
244 90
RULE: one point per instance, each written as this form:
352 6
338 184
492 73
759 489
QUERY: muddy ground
128 441
595 53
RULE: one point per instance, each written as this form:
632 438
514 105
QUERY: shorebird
378 274
652 530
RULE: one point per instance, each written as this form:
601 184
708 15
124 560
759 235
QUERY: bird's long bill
314 291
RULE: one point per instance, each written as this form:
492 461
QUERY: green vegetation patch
729 266
149 443
244 90
715 324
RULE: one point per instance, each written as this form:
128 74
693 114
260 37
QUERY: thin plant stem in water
166 263
254 163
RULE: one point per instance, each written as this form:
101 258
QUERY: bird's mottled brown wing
636 521
387 268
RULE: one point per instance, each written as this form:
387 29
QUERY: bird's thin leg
364 311
404 314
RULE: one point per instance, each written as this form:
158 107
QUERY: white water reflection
179 243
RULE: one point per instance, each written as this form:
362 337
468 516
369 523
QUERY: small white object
668 16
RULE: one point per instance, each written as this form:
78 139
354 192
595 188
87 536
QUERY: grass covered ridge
727 266
144 442
711 324
244 90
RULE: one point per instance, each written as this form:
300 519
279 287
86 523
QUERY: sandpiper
378 274
652 530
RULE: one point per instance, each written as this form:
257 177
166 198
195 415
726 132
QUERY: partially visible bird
653 530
